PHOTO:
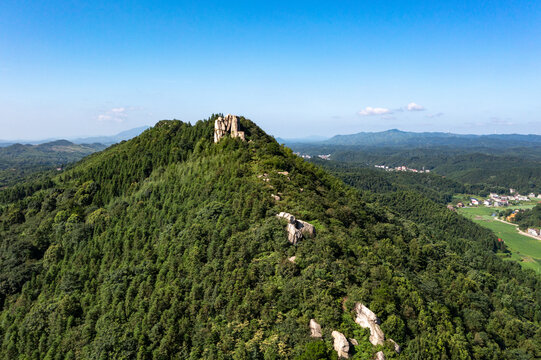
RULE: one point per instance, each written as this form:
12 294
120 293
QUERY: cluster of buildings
306 156
401 168
503 200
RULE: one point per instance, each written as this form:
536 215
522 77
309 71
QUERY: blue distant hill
394 137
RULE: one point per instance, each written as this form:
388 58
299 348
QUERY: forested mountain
399 138
113 139
168 246
18 161
105 139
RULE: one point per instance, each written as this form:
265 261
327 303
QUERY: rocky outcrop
367 319
292 259
341 344
315 329
296 229
380 355
227 125
397 347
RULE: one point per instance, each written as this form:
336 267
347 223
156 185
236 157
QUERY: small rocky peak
227 125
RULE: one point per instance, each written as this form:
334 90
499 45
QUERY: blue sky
296 68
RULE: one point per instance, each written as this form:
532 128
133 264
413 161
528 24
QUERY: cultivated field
524 249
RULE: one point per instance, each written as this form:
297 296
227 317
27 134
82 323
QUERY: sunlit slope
168 246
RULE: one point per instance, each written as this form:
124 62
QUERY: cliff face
227 125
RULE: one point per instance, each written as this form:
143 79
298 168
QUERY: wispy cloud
115 115
370 111
436 115
415 107
500 121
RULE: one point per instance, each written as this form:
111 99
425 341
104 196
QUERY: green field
524 249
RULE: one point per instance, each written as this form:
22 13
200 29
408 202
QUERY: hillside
18 161
491 168
168 246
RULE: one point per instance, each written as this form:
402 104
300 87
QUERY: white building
534 232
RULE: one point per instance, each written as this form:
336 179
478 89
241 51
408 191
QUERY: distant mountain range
105 140
396 137
17 161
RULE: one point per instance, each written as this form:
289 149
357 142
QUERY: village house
474 201
534 232
487 202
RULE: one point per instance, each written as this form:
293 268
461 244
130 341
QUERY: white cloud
415 107
369 111
115 114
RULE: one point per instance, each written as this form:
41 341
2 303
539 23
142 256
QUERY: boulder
292 259
380 355
297 228
341 344
397 347
306 228
367 319
315 329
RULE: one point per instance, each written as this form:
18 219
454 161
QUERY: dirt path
519 231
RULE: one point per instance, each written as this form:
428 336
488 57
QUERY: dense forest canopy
168 246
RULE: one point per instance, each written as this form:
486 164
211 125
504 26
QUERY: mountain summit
169 246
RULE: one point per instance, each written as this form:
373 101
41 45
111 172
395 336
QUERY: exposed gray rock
276 197
353 342
315 328
297 228
292 259
367 319
380 355
341 344
227 125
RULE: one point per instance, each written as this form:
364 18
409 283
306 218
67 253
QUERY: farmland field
524 249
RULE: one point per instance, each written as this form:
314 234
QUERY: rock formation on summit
341 344
297 228
227 125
